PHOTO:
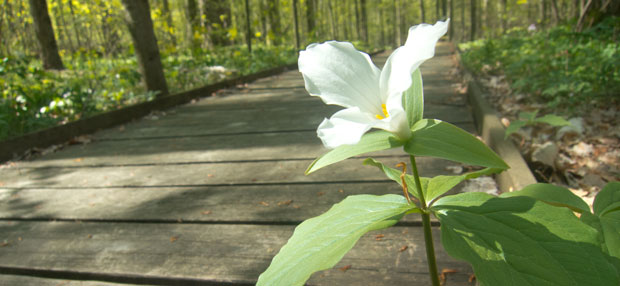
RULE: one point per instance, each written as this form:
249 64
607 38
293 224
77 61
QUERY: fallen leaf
471 278
173 238
206 212
78 160
403 248
264 204
341 191
345 268
320 194
285 203
379 237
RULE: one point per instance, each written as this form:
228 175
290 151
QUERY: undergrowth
558 66
33 98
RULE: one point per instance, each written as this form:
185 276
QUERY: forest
62 60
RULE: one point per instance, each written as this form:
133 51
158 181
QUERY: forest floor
583 156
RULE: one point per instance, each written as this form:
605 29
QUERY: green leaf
320 242
552 120
606 198
373 141
432 137
528 116
522 241
610 225
394 174
439 185
553 195
413 99
514 127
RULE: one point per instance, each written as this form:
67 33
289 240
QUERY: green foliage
320 242
33 98
557 66
529 118
522 241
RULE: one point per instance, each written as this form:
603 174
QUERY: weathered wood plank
196 174
193 148
278 204
17 280
209 253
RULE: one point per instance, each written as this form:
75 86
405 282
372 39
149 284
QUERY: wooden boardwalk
207 193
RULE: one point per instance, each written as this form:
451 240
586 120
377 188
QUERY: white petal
419 47
344 127
342 75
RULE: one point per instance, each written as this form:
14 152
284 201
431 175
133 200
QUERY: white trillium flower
341 75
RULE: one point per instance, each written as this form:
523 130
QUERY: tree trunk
296 25
397 39
45 35
193 24
543 13
217 16
556 13
504 15
451 31
168 15
422 14
444 8
364 18
310 22
248 28
273 13
473 20
138 19
437 9
75 26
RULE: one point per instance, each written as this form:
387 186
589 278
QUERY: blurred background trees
201 41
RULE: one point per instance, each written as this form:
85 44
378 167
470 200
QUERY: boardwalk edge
492 132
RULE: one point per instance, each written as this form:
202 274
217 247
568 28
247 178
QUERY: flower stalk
426 224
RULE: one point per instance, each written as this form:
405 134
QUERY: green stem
430 249
426 223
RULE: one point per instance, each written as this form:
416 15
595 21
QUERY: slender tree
422 14
140 24
168 16
451 31
248 28
192 24
45 35
310 19
273 13
296 25
364 18
473 19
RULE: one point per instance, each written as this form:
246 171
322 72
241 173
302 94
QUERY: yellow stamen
385 113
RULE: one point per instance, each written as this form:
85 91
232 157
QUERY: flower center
385 113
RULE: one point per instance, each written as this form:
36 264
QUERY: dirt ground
583 156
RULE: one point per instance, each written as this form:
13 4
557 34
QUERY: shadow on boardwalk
207 193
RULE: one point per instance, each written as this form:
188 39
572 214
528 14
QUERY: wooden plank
282 204
208 253
39 281
205 174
